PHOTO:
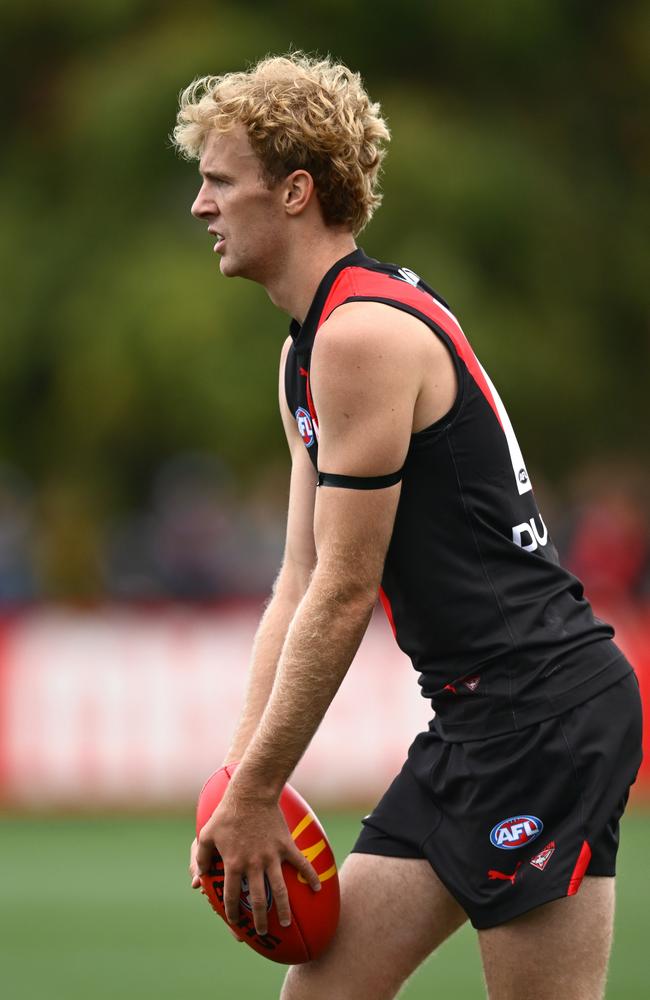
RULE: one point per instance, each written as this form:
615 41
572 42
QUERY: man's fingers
280 894
231 894
204 853
299 861
258 900
194 876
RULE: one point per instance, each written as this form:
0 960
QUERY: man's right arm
290 586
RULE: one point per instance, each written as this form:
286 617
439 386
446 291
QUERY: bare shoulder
285 413
368 325
362 338
372 351
364 389
283 354
374 330
283 363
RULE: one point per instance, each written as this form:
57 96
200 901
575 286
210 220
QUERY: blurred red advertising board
129 708
122 708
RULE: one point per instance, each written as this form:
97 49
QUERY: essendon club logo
541 860
517 831
305 426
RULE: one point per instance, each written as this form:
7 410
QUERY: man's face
244 216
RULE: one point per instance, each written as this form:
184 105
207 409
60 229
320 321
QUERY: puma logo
492 874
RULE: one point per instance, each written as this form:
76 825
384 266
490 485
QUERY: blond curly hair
299 113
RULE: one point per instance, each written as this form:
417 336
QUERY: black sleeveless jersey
500 633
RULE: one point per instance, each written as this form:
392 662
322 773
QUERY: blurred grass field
95 908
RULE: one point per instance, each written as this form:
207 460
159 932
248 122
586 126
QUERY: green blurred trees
516 184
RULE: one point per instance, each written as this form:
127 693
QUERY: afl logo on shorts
516 832
305 426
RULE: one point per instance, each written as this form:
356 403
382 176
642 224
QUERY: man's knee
394 912
311 982
300 983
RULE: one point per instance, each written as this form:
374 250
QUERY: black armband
359 482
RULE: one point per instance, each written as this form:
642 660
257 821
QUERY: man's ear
298 191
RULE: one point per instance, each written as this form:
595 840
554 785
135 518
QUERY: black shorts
514 821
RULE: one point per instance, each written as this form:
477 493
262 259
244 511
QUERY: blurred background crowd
196 536
141 454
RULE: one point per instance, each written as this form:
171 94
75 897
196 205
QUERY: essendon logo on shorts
541 860
305 426
517 831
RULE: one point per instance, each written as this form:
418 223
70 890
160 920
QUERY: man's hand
253 840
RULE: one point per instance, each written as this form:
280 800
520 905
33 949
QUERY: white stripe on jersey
522 479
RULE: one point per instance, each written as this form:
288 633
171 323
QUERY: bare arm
292 582
289 588
365 389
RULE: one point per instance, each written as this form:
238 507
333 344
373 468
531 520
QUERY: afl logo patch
305 426
517 831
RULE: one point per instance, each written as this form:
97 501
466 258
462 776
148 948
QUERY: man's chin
230 269
226 267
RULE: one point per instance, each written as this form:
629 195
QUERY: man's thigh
394 912
560 949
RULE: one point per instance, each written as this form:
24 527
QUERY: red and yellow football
314 915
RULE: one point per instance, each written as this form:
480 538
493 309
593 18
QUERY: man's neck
293 288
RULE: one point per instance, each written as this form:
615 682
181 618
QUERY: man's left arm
364 389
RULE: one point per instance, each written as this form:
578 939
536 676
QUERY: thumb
204 853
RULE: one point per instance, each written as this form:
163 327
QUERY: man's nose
203 205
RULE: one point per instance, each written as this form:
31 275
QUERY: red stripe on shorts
581 867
